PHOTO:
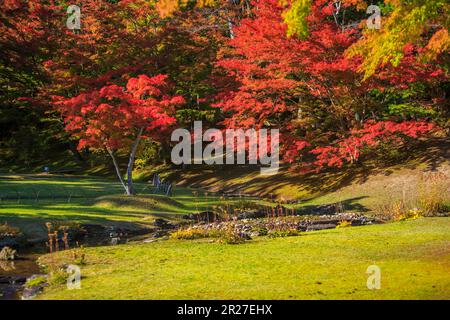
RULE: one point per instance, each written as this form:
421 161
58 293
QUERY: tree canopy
336 89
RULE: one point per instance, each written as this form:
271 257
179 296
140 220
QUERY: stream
13 274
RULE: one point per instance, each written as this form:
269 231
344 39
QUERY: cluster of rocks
258 227
31 291
7 254
332 209
208 216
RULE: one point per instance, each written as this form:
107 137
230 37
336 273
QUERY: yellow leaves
166 8
298 10
94 57
295 17
403 26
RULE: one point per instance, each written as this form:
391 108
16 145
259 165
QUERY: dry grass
427 195
433 193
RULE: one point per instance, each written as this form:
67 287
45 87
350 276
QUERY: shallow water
14 273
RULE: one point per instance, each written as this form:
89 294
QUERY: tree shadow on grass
290 184
33 223
351 204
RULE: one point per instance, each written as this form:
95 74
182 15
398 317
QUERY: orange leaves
167 8
439 43
408 22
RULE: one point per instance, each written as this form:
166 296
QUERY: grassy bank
29 201
362 188
414 258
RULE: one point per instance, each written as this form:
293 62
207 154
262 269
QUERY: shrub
232 236
430 196
58 276
222 211
192 233
392 210
399 211
34 282
344 224
412 214
260 231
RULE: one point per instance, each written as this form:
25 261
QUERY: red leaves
111 117
12 4
143 85
349 149
308 89
273 69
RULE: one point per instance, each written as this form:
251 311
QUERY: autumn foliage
137 68
310 89
115 119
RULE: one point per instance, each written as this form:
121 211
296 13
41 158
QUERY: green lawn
29 201
414 258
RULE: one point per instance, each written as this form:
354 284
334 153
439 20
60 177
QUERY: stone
315 227
7 254
30 292
162 223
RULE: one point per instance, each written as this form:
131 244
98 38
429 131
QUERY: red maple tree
116 119
309 89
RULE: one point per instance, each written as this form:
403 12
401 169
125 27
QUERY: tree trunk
131 190
116 166
129 187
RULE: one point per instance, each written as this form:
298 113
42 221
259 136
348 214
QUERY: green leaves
410 110
295 18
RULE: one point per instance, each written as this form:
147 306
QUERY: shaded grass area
360 189
29 201
56 187
413 257
375 175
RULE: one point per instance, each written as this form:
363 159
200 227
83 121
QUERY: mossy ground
414 258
